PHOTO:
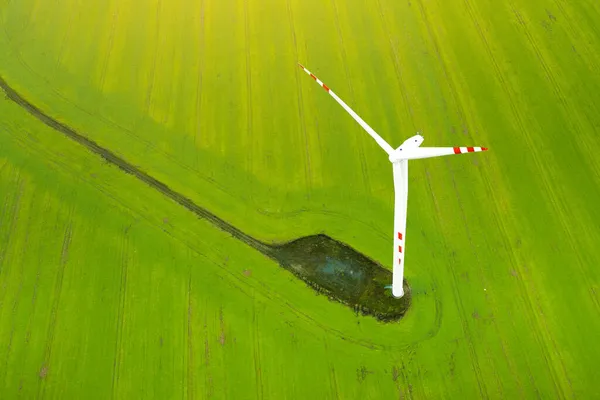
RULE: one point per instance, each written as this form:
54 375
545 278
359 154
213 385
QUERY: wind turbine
409 150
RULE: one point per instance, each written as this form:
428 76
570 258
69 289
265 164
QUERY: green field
109 289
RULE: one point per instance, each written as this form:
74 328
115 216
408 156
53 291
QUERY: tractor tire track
463 215
594 294
308 170
519 120
489 299
2 167
57 294
524 290
563 210
335 394
14 217
394 56
17 299
405 388
68 33
472 351
249 111
257 356
458 301
560 209
198 130
40 262
208 379
118 356
111 37
30 18
361 139
592 60
587 148
150 91
190 386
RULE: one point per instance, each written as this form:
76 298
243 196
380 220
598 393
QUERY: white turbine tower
409 150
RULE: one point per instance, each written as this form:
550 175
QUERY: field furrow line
222 337
190 343
541 166
457 298
208 379
150 91
553 341
560 391
562 210
40 263
30 18
198 130
489 298
590 12
360 139
174 76
492 191
592 60
595 7
308 170
396 62
5 232
407 390
17 298
524 289
332 374
395 374
222 340
124 262
457 105
13 214
64 256
421 375
447 77
68 33
257 355
594 295
249 109
3 164
111 39
572 114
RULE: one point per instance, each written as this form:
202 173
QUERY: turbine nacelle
410 143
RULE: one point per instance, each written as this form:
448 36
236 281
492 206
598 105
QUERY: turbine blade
428 152
382 143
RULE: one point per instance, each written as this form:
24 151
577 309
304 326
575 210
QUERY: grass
108 288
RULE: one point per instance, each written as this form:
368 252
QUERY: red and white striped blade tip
459 150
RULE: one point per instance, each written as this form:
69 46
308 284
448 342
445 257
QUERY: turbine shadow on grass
327 265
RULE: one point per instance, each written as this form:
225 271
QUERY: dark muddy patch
343 274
